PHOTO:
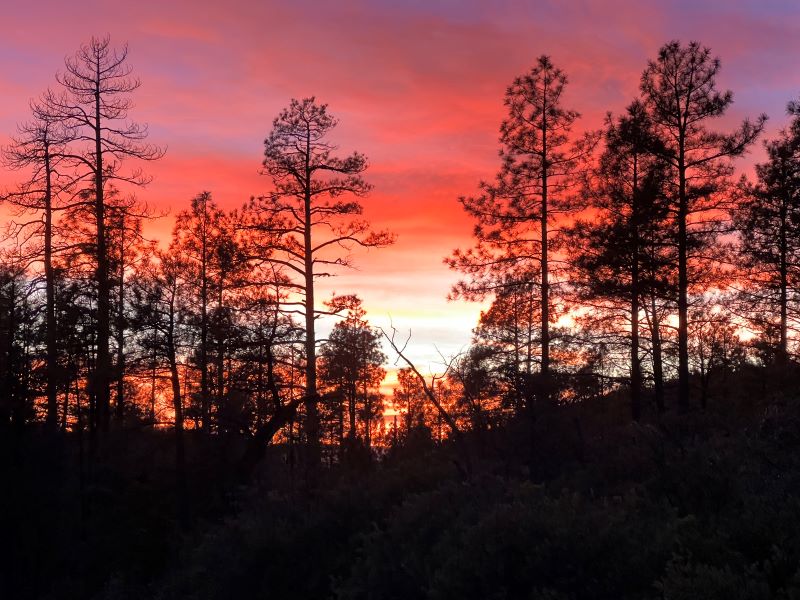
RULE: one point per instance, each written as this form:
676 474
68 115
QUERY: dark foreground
701 505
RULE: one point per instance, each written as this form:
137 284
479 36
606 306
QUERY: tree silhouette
768 218
618 253
158 291
97 85
509 329
351 362
716 349
17 328
39 147
311 219
409 398
515 212
540 164
511 470
679 89
195 236
126 247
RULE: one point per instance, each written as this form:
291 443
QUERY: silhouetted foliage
768 217
351 368
527 466
541 165
311 216
620 256
679 89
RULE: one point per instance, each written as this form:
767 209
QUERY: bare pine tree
98 84
38 149
311 216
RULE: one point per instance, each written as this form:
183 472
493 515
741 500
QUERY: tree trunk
341 430
120 405
50 308
683 285
351 410
636 367
12 387
783 350
180 456
367 418
65 408
153 383
220 367
205 409
545 275
658 365
100 387
313 449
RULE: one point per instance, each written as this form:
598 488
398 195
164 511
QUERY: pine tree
679 89
618 254
97 85
768 219
311 219
541 166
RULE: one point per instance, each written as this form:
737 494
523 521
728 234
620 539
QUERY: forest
174 423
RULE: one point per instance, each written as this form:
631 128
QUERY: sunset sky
418 87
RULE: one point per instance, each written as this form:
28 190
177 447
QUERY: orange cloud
418 87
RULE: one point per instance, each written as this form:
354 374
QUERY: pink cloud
418 88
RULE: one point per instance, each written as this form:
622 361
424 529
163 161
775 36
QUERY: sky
417 85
